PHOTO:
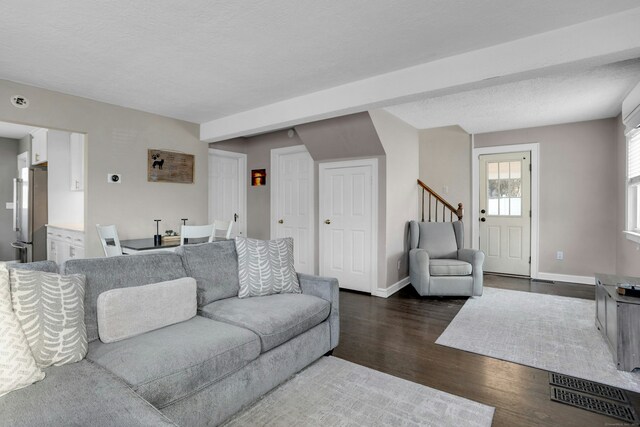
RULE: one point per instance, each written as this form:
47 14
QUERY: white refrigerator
30 214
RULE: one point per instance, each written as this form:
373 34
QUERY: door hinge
529 260
529 167
529 213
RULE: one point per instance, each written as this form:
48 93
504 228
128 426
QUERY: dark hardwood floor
397 335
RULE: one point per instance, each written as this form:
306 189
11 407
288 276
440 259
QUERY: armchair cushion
439 240
449 267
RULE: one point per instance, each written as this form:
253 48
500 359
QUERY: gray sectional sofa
194 373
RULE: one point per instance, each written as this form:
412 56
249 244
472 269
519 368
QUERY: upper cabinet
76 158
39 146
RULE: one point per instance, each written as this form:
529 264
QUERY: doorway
228 189
505 203
348 197
292 203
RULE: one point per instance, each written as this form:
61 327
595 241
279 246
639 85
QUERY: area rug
549 332
334 392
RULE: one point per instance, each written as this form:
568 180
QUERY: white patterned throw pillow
50 308
265 267
18 368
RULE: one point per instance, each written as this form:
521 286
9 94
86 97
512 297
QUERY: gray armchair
438 265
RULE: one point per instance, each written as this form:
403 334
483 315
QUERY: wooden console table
618 319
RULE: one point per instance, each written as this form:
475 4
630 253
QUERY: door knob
327 221
483 219
281 221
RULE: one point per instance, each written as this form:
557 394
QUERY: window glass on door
504 188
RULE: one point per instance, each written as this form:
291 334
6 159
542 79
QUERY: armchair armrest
419 270
476 259
326 288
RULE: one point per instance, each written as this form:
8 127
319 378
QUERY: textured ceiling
201 59
589 94
14 131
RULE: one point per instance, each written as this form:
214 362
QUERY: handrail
459 212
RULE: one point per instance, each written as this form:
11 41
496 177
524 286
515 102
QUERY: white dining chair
109 238
222 226
196 232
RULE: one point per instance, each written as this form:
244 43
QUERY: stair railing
446 206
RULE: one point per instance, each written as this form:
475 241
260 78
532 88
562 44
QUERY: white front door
292 207
348 206
228 189
505 212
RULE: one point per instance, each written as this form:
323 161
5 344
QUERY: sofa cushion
449 267
274 318
103 274
439 239
175 361
127 312
50 308
214 266
79 394
265 267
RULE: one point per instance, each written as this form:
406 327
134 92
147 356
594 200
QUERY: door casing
534 148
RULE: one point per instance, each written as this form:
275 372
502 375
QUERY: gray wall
24 144
578 200
445 166
117 142
627 252
8 171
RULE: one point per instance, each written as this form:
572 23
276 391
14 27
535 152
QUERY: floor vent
598 405
585 386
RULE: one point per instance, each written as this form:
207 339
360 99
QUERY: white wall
445 166
66 207
117 142
401 145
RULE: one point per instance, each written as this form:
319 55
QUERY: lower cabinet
64 244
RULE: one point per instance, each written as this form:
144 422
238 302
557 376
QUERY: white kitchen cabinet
64 243
39 142
76 158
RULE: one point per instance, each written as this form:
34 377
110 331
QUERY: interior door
227 189
292 201
346 210
505 212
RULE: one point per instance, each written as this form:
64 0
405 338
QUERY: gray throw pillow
18 369
265 267
50 308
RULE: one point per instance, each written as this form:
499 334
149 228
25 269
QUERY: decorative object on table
170 236
258 177
170 166
265 267
157 239
184 222
50 308
628 290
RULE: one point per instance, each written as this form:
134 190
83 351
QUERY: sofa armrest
419 270
476 259
326 288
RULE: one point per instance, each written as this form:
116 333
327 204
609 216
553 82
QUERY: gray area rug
549 332
334 392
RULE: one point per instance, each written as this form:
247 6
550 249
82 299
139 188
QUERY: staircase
434 211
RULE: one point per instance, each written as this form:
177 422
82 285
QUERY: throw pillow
265 267
18 368
127 312
50 308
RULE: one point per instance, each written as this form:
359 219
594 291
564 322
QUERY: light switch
9 205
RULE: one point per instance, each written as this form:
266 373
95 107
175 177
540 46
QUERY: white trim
386 293
373 163
632 235
242 180
275 159
534 148
554 277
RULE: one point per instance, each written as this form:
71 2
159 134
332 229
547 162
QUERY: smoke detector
19 101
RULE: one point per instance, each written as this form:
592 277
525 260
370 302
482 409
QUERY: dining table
134 246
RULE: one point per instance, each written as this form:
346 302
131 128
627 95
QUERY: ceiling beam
597 42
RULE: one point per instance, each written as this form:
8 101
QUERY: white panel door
347 216
505 212
227 189
292 203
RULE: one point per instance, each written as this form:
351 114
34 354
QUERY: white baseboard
386 293
586 280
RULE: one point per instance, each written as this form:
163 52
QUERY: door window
504 188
